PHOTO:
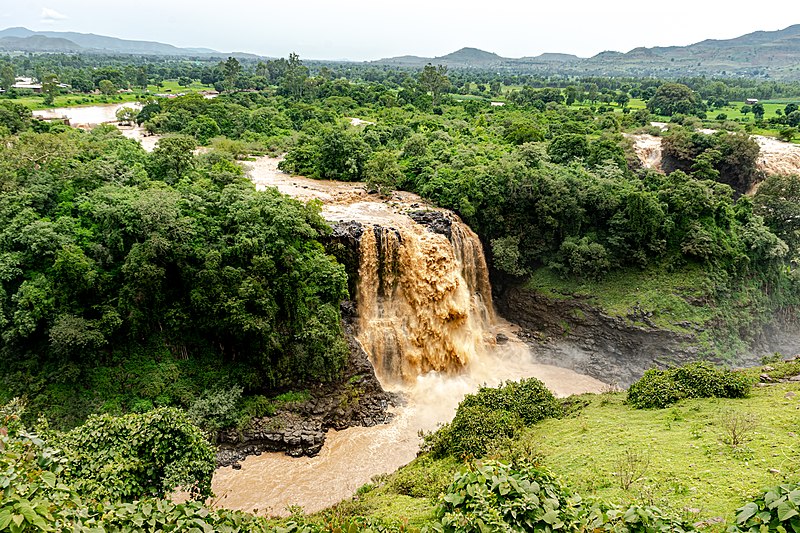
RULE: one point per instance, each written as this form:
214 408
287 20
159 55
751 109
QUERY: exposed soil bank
775 157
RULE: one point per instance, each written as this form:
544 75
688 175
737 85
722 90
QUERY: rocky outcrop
435 221
570 333
356 399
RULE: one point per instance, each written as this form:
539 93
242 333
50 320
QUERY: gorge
427 322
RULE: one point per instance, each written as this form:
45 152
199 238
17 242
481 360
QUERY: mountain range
759 54
25 40
773 54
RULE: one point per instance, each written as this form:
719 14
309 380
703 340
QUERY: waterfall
424 298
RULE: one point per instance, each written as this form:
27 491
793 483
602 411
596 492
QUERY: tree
778 201
127 115
672 98
434 80
7 78
787 134
184 81
49 88
106 87
568 147
758 111
622 99
746 109
204 128
573 94
790 107
793 118
141 78
383 173
294 76
231 69
342 155
703 167
172 157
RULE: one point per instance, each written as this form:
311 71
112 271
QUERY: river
459 322
269 483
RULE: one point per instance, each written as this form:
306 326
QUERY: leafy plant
776 509
137 456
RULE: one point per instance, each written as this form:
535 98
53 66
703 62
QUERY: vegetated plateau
153 302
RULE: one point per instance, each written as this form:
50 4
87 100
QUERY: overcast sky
373 29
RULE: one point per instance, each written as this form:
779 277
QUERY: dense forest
139 289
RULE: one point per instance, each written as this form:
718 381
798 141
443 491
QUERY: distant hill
761 54
38 43
23 39
774 54
464 58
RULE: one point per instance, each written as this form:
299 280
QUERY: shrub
528 398
660 388
215 409
137 456
495 496
473 430
492 414
777 509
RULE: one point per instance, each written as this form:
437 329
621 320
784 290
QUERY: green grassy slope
681 457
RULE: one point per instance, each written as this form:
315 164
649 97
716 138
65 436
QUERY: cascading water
426 321
424 300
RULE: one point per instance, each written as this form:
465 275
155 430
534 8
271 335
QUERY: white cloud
51 15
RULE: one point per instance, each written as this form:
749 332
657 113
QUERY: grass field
75 100
664 294
682 457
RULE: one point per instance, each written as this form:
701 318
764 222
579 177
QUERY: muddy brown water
433 381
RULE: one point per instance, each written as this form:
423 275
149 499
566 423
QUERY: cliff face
356 399
573 334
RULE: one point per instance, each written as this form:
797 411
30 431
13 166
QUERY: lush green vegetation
490 415
695 464
661 388
133 283
133 280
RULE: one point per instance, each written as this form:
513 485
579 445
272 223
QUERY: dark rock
300 430
501 338
436 221
573 334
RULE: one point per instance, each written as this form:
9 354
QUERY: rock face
357 399
435 221
571 333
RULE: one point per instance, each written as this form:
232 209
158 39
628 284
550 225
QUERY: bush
473 430
137 456
660 388
494 496
493 414
216 409
777 509
528 398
